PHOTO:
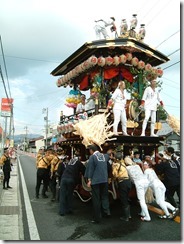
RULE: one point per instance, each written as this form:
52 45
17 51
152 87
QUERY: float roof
112 47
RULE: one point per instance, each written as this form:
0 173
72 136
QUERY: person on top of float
149 102
119 100
81 106
101 25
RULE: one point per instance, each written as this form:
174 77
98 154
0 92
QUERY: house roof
165 130
111 47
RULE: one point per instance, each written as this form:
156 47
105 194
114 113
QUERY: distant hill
20 138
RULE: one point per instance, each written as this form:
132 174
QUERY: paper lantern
135 61
93 61
86 65
109 60
141 65
159 72
148 67
101 61
128 56
116 60
123 59
58 82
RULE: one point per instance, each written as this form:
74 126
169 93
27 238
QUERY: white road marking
33 231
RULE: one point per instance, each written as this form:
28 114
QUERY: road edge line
33 231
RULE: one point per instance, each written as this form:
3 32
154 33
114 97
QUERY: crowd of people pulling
128 171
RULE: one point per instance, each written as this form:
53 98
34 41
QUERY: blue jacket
97 168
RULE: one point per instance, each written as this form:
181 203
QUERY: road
41 219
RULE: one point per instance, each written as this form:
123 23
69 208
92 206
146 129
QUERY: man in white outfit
141 184
101 25
119 100
149 102
159 192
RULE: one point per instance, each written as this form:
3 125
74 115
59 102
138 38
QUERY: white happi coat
151 99
119 100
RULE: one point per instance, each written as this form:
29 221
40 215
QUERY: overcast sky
37 35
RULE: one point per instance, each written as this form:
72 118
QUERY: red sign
6 106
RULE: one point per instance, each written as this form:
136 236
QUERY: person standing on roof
101 25
118 100
149 102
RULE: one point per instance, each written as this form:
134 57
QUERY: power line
161 9
3 82
39 60
171 96
171 65
173 52
148 12
5 65
168 38
168 79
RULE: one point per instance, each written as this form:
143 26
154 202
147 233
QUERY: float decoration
74 98
95 130
108 63
174 123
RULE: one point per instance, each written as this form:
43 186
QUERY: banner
6 107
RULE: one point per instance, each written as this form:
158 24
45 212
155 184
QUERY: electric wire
32 59
171 65
167 38
173 52
6 72
161 9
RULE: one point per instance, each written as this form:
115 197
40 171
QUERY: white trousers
159 192
149 113
119 115
100 30
141 188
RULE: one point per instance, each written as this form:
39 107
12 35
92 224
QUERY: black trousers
170 191
42 174
53 184
67 187
124 189
100 200
6 178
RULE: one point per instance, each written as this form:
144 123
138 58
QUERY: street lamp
45 110
25 138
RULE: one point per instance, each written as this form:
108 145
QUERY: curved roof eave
111 47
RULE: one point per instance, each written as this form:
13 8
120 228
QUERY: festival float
98 66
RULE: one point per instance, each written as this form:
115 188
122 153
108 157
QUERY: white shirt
135 173
80 108
151 98
151 175
119 99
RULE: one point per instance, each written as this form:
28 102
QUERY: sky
39 35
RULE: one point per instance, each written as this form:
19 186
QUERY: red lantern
101 61
109 60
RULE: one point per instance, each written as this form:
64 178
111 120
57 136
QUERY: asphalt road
52 227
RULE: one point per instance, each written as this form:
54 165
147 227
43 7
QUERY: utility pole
25 138
45 110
